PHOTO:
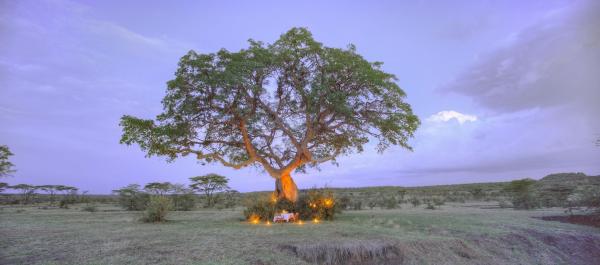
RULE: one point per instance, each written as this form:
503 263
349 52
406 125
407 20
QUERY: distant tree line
211 189
60 195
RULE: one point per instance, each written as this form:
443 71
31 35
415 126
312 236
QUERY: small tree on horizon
27 191
6 167
522 195
50 189
159 188
209 185
282 107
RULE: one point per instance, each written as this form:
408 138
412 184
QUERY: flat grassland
453 234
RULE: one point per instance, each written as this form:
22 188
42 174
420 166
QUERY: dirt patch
590 220
349 252
524 247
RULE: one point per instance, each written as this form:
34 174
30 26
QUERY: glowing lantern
316 220
254 219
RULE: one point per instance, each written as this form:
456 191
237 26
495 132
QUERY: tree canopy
281 106
159 188
6 167
209 184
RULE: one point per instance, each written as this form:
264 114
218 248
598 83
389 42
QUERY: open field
454 234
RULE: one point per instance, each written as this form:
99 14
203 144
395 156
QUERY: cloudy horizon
504 90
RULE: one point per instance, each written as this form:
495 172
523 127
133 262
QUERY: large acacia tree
283 107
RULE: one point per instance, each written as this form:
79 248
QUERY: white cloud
447 115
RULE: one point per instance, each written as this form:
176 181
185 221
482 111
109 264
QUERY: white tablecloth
284 216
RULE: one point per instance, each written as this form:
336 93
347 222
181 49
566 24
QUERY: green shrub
438 201
132 198
588 197
315 203
430 206
183 202
344 202
415 201
371 204
390 203
357 205
157 209
522 194
64 204
260 207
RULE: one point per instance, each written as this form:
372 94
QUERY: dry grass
450 235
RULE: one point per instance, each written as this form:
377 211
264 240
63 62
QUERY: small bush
584 197
132 198
319 204
522 194
259 207
64 204
357 205
316 203
372 204
157 209
430 206
415 201
390 203
437 201
90 208
344 202
183 202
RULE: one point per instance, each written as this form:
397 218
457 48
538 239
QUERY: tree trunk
285 188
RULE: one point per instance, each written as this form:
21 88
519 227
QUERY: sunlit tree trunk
285 188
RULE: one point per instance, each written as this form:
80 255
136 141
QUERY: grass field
454 234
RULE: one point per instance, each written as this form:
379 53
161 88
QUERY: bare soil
590 220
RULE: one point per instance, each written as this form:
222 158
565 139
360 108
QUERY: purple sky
505 89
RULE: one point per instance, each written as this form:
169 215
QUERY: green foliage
230 198
259 206
438 201
157 209
325 102
52 190
344 202
430 206
132 198
357 205
318 203
209 185
3 186
588 197
415 201
158 188
315 203
6 167
372 204
184 201
522 194
390 202
477 193
27 192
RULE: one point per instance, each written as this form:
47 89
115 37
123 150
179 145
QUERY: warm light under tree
283 107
